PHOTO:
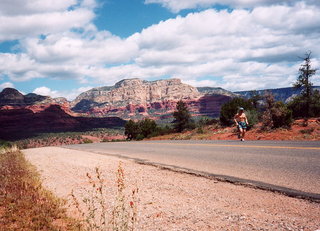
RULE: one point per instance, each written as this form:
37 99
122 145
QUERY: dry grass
94 212
24 204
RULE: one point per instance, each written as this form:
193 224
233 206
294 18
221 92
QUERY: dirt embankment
175 201
298 131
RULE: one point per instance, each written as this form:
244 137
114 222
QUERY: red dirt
297 132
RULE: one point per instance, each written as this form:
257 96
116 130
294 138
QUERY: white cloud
21 19
178 5
241 49
23 7
5 85
70 95
22 26
45 91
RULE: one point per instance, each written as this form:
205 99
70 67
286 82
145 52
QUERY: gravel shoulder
176 201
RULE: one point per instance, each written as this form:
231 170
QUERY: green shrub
307 131
276 114
299 106
281 115
229 109
253 117
5 144
87 141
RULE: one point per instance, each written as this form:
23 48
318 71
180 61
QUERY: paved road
292 167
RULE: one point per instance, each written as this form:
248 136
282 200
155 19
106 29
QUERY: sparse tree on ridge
303 81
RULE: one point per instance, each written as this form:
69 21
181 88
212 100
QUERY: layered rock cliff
138 98
137 91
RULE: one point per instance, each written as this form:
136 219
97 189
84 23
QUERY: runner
241 122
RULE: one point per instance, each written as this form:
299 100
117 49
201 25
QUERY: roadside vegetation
24 204
96 215
263 112
66 138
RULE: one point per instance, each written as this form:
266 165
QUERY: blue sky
71 46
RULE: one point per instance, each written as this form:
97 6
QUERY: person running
241 122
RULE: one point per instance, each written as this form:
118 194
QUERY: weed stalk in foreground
96 215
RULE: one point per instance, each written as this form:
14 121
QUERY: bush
307 131
131 130
145 128
229 109
298 105
281 115
276 114
87 141
5 144
253 117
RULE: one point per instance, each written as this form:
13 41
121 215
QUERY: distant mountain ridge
12 97
280 94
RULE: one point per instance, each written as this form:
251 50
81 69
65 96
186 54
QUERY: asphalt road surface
289 167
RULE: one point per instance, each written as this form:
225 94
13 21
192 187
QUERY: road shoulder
171 200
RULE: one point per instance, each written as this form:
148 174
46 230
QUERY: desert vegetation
96 215
66 138
24 204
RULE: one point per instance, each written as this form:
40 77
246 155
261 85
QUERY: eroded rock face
136 98
10 96
127 99
137 91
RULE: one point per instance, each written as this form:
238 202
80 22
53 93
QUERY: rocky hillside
23 122
138 98
12 97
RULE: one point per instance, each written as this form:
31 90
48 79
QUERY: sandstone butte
129 98
136 98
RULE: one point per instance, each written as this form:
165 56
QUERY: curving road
289 167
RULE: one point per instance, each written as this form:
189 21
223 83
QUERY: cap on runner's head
241 109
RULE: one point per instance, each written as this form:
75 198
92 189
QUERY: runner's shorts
242 125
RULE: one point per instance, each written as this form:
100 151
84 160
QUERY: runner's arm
235 119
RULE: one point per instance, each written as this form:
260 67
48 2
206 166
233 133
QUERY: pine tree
182 117
306 72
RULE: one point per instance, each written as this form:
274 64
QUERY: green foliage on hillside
182 117
276 114
299 105
229 109
145 128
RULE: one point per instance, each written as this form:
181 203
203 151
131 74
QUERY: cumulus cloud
21 19
22 7
5 85
239 49
45 91
70 95
178 5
